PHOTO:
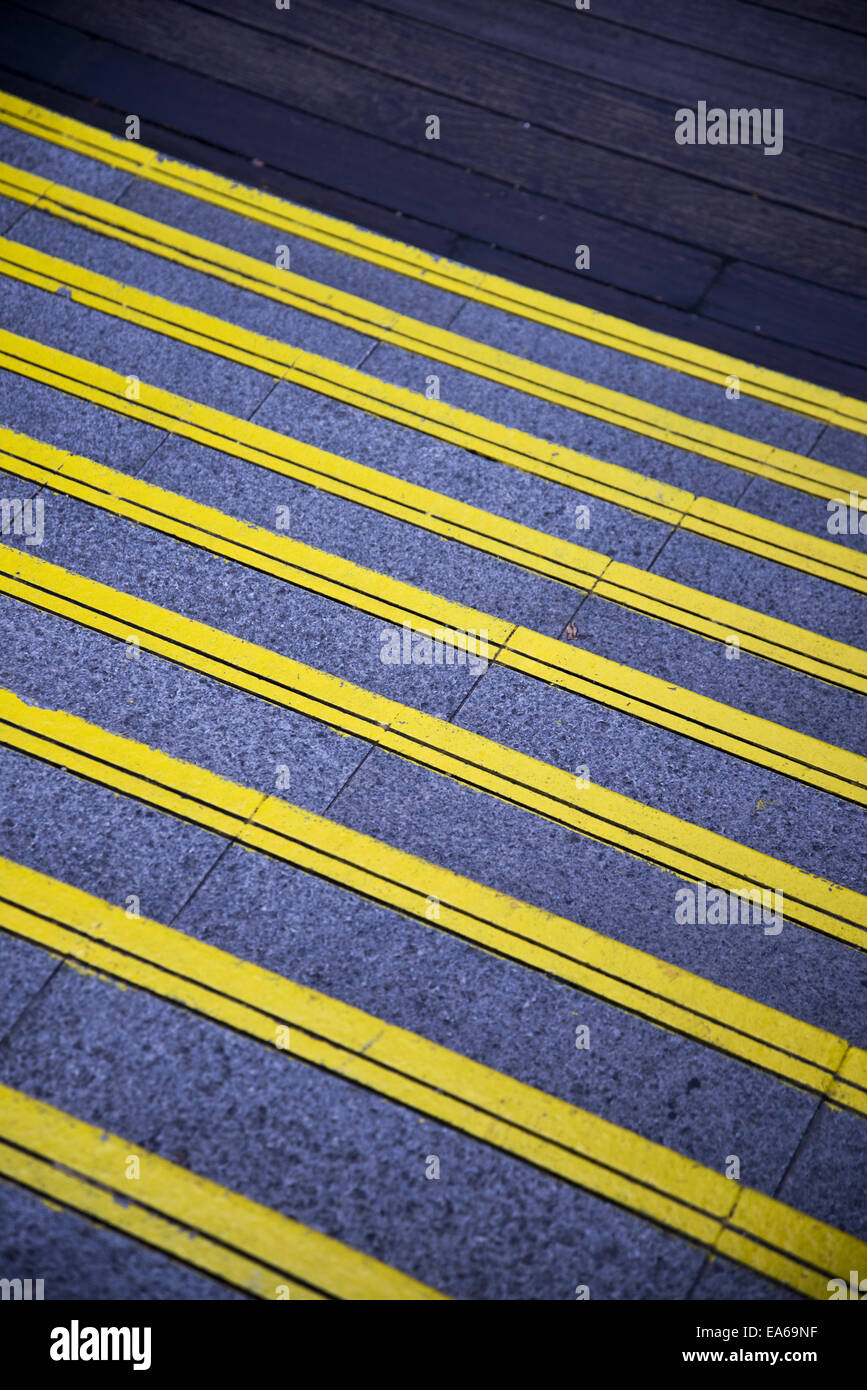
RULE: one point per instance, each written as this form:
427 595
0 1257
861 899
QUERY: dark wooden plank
734 334
721 221
829 184
842 14
797 361
645 63
780 308
358 211
769 39
196 124
227 120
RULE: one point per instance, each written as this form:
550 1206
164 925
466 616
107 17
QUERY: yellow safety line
607 968
397 727
708 721
789 393
609 481
660 702
584 1149
761 1221
534 550
779 465
728 525
59 1188
196 1220
432 511
378 870
65 919
271 553
850 1084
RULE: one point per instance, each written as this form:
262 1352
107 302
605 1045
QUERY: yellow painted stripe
708 721
382 492
271 553
750 1031
544 1130
785 1244
401 729
849 1087
783 544
657 701
647 497
375 869
768 637
253 1246
60 1188
817 402
362 316
609 481
65 919
534 550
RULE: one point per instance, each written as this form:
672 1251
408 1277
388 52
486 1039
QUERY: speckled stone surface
306 1141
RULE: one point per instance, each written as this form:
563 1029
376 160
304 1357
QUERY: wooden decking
556 129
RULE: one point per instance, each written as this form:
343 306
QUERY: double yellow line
707 721
241 663
211 1228
249 1246
540 788
408 884
645 496
537 551
612 1162
816 402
